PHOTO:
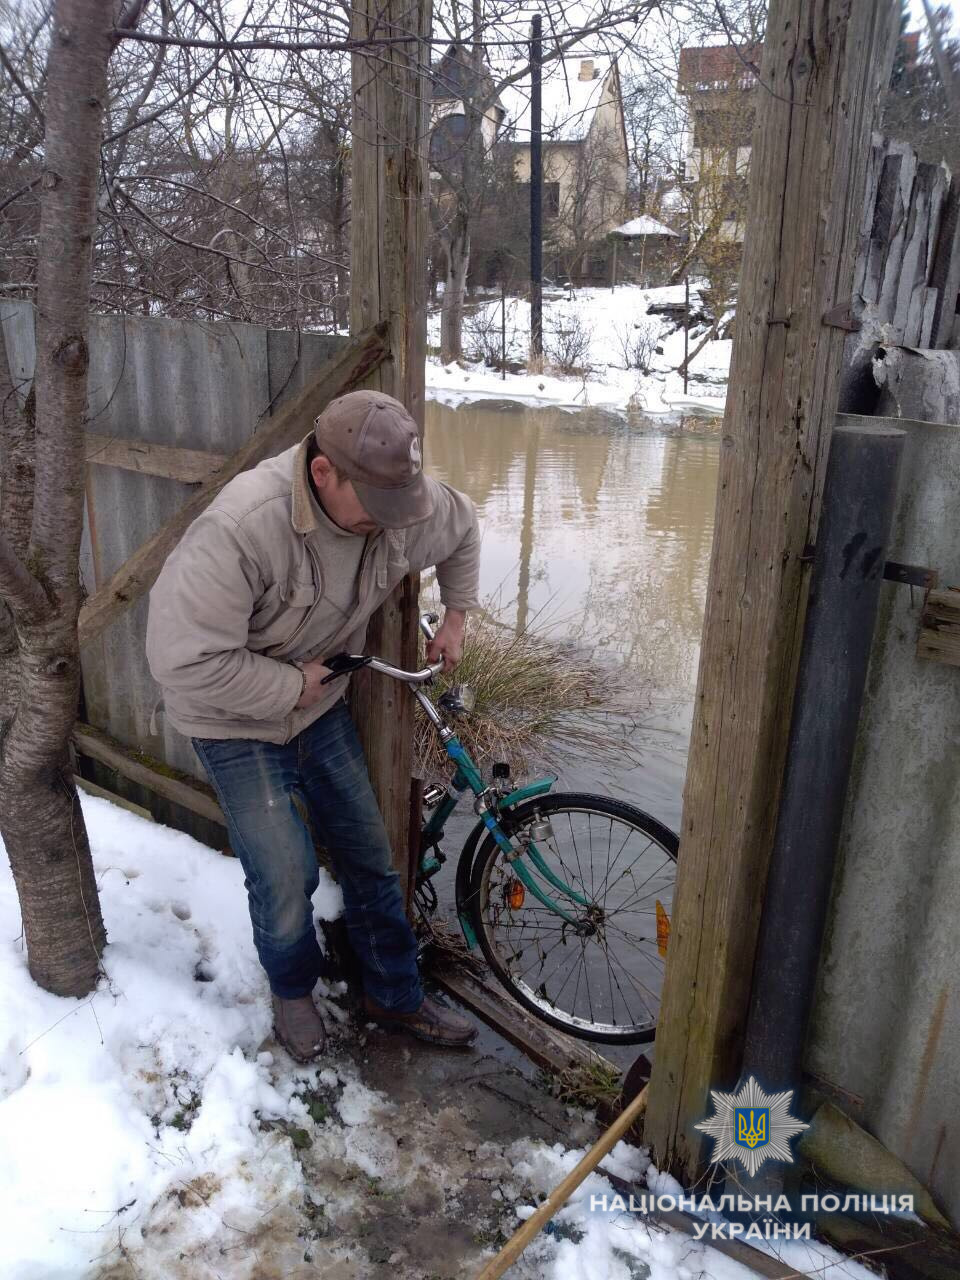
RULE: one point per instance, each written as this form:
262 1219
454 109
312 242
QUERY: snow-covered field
604 329
154 1130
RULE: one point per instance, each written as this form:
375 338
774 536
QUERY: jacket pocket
298 594
279 614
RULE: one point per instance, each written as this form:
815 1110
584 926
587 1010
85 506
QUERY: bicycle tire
485 860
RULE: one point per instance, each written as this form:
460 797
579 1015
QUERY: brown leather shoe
298 1027
432 1022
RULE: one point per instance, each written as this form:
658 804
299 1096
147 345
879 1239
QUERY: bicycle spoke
641 987
626 904
555 1000
626 841
668 862
650 953
558 962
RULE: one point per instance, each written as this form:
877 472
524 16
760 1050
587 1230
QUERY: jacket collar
303 517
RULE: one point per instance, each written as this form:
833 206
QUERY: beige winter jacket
237 601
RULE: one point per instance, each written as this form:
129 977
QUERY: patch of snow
644 226
606 323
357 1104
591 1243
148 1132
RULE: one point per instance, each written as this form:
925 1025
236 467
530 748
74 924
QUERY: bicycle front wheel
597 975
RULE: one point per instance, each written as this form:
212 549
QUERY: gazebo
642 228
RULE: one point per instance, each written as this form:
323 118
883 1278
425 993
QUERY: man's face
339 498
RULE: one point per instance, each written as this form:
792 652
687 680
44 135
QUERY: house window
551 198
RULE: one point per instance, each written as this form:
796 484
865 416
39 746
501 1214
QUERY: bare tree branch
19 588
15 77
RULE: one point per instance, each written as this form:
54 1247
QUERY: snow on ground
148 1134
608 326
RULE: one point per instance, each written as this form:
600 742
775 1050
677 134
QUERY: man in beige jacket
283 569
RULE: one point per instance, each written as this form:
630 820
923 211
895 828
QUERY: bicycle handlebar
341 663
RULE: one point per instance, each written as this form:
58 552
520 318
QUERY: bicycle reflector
663 929
514 894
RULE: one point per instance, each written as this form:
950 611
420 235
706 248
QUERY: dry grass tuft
589 1086
537 701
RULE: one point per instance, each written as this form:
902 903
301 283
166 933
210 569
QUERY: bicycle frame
489 804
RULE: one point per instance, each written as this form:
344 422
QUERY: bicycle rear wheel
598 977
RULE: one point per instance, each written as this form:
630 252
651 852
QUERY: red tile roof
724 65
716 65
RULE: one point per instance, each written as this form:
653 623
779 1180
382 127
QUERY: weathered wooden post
388 281
825 63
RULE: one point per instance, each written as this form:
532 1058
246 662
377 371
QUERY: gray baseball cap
373 441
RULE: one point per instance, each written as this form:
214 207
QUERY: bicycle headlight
458 699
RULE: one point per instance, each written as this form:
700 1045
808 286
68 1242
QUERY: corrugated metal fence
885 1037
174 383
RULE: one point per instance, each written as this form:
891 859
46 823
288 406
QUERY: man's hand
448 642
313 671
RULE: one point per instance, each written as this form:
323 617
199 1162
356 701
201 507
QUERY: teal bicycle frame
491 801
490 804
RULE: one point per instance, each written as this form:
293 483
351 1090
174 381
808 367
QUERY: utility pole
536 197
824 68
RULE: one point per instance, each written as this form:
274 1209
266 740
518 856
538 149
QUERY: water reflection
604 528
591 524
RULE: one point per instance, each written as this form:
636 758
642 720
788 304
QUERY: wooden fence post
388 281
824 65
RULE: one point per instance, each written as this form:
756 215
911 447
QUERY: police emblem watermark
751 1126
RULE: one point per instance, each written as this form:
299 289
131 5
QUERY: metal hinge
842 317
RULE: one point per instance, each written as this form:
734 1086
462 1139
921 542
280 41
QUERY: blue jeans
324 765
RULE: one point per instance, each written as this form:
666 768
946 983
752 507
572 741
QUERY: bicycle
522 901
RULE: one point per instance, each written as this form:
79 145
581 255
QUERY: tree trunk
457 252
16 510
40 818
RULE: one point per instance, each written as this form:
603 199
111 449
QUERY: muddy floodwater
596 532
598 529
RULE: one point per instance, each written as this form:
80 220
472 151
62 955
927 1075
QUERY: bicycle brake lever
341 663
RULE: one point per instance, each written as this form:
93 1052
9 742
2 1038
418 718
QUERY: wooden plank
939 638
928 314
874 223
858 392
158 777
92 789
136 576
388 282
945 275
923 217
806 192
491 1004
891 227
191 466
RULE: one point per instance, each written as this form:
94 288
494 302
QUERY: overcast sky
918 15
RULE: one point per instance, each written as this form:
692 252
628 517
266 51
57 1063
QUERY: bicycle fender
465 863
462 885
532 789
